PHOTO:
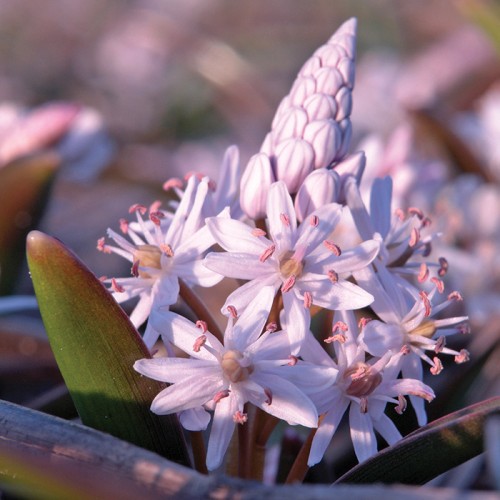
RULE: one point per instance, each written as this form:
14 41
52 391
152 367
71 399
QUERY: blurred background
127 94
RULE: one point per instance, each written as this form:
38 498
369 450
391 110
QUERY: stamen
439 284
335 249
198 175
439 345
103 278
307 300
116 287
455 296
101 245
288 284
167 249
269 396
363 322
333 276
174 182
437 368
285 220
400 214
417 212
414 237
401 407
427 303
199 343
443 266
423 273
258 232
426 222
340 326
293 360
124 226
221 395
314 220
267 253
462 357
405 350
202 325
240 418
232 311
212 185
155 206
271 327
137 207
156 217
338 337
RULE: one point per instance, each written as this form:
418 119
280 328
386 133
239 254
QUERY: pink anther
314 220
332 276
199 343
137 207
124 226
288 284
463 356
174 182
427 303
232 311
335 249
269 396
267 253
401 406
437 368
202 325
423 273
167 249
116 286
258 232
308 300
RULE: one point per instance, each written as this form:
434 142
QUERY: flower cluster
298 235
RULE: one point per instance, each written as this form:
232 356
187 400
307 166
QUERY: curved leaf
429 451
95 346
24 186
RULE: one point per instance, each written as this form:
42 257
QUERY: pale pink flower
160 255
249 367
365 387
300 261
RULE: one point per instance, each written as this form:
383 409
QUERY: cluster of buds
295 260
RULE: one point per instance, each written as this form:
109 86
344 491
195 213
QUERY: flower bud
255 182
320 187
294 160
325 138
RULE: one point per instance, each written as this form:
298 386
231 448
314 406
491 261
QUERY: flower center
289 265
148 256
425 329
364 380
233 366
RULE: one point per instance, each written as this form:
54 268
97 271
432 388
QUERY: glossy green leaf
429 451
95 346
24 185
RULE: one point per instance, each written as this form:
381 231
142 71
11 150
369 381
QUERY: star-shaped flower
249 367
301 261
160 254
365 387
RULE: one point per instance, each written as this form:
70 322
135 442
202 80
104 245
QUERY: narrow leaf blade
429 451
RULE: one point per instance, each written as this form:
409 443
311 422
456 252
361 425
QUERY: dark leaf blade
24 185
95 346
429 451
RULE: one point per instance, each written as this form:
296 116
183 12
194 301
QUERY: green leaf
95 346
24 187
429 451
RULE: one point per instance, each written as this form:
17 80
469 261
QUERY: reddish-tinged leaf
95 346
